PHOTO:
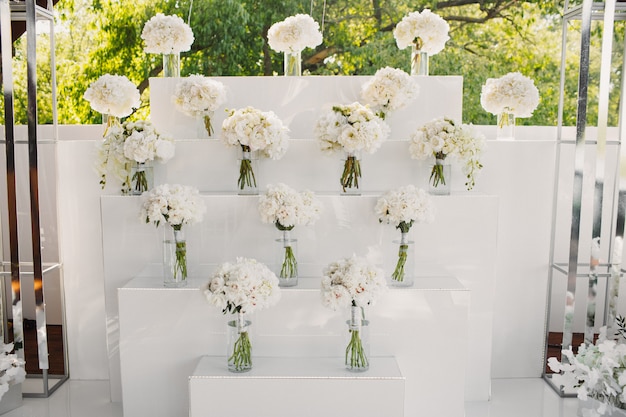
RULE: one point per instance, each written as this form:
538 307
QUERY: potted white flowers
404 207
176 205
12 374
390 89
510 96
198 96
167 35
253 131
291 36
442 138
114 96
241 288
127 152
355 283
352 129
285 208
426 33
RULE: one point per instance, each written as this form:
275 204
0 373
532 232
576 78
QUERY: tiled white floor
510 398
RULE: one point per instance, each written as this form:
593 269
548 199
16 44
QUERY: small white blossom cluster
11 369
166 35
174 204
407 205
513 93
114 95
143 143
426 30
197 95
242 287
258 130
352 282
389 89
351 128
285 207
294 34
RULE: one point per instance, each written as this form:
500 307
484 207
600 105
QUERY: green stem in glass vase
399 273
289 268
207 125
246 173
351 173
180 265
241 357
140 179
437 176
355 351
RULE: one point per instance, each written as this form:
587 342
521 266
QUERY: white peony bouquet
403 207
511 93
351 128
113 95
166 35
11 369
426 30
390 89
254 130
199 96
294 34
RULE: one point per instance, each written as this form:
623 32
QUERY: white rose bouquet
166 35
511 93
352 128
285 208
403 207
426 30
113 95
199 96
389 89
242 288
294 34
11 369
254 130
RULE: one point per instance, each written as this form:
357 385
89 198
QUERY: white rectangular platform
303 387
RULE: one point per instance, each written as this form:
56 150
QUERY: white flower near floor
113 95
199 96
166 35
294 34
426 30
242 287
390 89
404 206
285 207
11 369
175 205
511 93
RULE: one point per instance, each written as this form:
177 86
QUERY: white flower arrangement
511 93
294 34
426 30
390 89
199 96
166 35
284 207
11 369
175 205
113 95
443 137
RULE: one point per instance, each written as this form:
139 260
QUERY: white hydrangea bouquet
175 205
291 36
254 130
199 96
132 142
285 208
390 89
166 35
402 208
444 137
114 96
351 128
12 369
242 288
356 283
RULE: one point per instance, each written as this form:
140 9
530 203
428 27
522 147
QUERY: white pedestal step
303 387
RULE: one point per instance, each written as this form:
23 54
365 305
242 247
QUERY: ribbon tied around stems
246 171
356 357
351 172
289 267
399 272
437 175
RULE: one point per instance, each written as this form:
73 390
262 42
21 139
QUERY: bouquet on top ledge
512 93
11 369
426 31
198 96
390 89
114 96
166 35
294 34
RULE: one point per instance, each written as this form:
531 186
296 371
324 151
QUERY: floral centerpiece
167 35
285 208
132 143
241 288
253 130
390 89
403 207
351 128
426 33
175 205
356 283
291 36
114 96
444 137
198 96
11 369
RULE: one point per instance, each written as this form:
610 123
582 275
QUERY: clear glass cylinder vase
403 273
171 65
440 178
286 259
358 349
248 171
419 61
141 177
238 344
506 126
293 64
351 174
174 258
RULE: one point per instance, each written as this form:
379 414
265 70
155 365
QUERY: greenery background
489 38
